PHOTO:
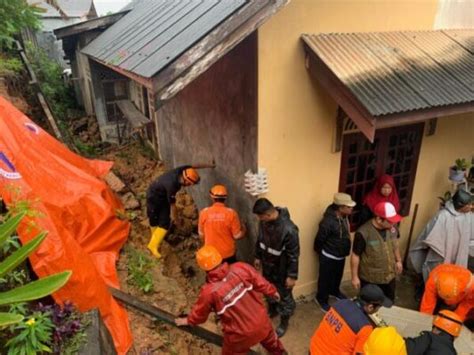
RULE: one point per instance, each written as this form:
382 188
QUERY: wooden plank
49 115
166 317
100 22
137 119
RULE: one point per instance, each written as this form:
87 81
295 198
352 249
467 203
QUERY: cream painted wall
297 117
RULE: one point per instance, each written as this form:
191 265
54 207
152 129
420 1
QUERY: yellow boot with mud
157 236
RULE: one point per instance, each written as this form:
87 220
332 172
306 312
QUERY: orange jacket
430 297
343 330
220 225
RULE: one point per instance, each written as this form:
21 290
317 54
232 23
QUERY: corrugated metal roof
155 33
75 8
393 72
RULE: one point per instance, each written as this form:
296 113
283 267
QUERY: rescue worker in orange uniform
346 326
234 292
447 327
452 285
220 226
161 199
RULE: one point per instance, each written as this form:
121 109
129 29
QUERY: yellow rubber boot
157 236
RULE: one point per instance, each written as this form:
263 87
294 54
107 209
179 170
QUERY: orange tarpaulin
78 212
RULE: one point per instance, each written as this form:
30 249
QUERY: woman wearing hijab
384 190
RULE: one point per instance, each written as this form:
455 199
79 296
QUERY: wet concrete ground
308 315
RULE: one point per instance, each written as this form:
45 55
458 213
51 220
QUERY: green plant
16 15
31 336
85 149
139 267
33 290
10 66
461 164
49 73
445 198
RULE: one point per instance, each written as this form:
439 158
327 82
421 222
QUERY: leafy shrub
10 66
49 73
33 290
139 267
69 325
16 15
31 336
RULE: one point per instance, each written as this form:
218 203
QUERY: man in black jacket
440 341
276 254
333 244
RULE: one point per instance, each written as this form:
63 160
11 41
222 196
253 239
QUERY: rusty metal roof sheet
395 72
156 32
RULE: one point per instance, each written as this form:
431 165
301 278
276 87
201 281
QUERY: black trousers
158 213
388 289
329 279
286 306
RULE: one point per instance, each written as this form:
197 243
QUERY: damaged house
324 96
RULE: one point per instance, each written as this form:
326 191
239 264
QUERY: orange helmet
208 257
191 176
449 322
449 288
218 191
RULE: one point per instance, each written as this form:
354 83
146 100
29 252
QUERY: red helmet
218 191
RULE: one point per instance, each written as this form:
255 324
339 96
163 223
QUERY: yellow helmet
385 341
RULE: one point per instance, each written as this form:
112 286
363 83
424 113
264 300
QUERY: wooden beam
50 116
97 23
166 317
432 124
340 93
146 82
337 146
213 47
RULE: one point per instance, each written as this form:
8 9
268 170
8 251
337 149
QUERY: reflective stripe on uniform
270 250
238 297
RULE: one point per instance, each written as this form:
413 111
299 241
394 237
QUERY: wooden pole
412 226
166 317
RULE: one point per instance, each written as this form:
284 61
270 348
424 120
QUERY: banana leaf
36 289
21 254
7 228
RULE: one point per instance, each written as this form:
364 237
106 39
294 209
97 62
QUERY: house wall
98 73
214 118
297 117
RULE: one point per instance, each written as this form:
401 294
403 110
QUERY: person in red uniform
452 285
220 226
234 293
346 326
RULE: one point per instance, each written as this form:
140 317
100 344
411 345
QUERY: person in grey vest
333 244
375 257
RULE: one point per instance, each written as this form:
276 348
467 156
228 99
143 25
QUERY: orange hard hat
449 322
191 176
218 191
449 288
208 257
